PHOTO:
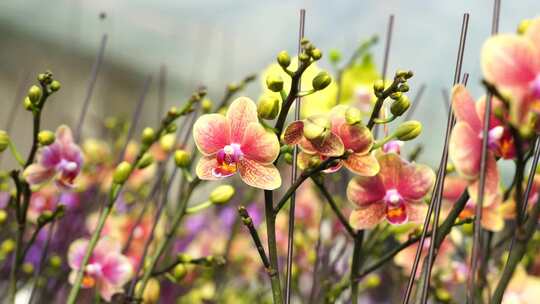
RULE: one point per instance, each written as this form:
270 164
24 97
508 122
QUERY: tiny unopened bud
148 135
179 272
28 104
173 112
334 56
184 258
34 93
321 81
27 267
55 261
523 26
167 142
274 82
171 128
316 128
46 137
373 280
396 95
408 130
232 87
288 158
7 246
207 105
55 85
146 160
443 294
122 172
353 116
400 106
284 59
303 57
3 216
182 158
4 141
151 291
404 88
222 194
268 107
316 54
45 217
378 86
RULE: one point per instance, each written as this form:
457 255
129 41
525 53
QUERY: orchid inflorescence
96 219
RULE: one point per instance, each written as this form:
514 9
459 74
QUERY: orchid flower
356 139
62 160
237 142
465 149
394 194
512 63
108 270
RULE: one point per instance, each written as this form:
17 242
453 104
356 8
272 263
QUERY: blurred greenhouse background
218 42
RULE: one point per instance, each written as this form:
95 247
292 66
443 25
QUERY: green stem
355 265
199 207
15 153
273 270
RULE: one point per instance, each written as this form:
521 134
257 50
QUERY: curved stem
355 266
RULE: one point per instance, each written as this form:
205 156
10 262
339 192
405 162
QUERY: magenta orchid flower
466 144
512 63
237 142
355 139
62 160
394 194
108 270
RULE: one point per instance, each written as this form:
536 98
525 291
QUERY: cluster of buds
395 91
37 95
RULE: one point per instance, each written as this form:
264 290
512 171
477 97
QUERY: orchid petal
76 253
367 216
491 189
390 169
465 150
263 176
330 146
356 138
294 133
464 107
416 212
362 190
260 144
240 114
365 165
37 174
205 168
415 181
211 133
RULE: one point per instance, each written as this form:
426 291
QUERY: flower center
494 137
66 165
393 197
94 270
227 160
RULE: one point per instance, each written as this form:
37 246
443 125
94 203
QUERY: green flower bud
378 86
45 217
173 112
167 142
55 261
122 172
46 137
268 107
171 128
303 57
34 93
148 135
184 258
396 95
316 128
222 194
353 116
207 105
400 106
146 160
182 158
373 280
28 105
7 246
274 82
55 85
316 54
3 216
404 74
151 292
443 294
408 130
404 88
523 26
27 267
288 158
179 272
334 56
4 141
284 59
321 81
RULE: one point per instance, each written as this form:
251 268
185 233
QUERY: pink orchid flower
61 160
395 193
108 270
512 63
356 139
466 144
237 142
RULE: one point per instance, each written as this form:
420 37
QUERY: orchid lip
535 86
393 197
227 160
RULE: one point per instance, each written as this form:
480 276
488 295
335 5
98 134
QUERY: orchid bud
443 294
404 74
222 194
523 26
55 261
316 128
34 93
173 112
122 172
182 158
353 116
151 292
274 82
27 104
404 88
334 56
396 95
4 141
179 272
167 142
373 280
148 135
268 107
46 137
45 217
400 105
55 85
316 54
303 57
184 258
284 59
288 158
171 128
3 216
27 267
408 130
207 105
321 81
146 160
378 86
7 246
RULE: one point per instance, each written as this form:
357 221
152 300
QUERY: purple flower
61 160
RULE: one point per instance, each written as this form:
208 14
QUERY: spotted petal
509 60
492 191
205 167
463 106
415 181
362 191
365 165
390 169
330 146
37 174
211 133
240 114
492 218
416 212
356 138
368 216
259 175
259 144
294 133
465 150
